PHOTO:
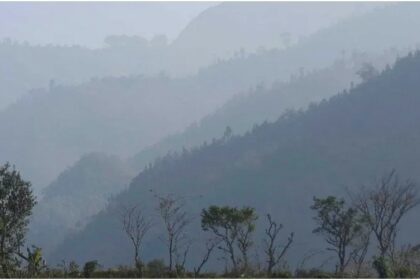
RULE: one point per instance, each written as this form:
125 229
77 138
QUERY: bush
89 268
156 269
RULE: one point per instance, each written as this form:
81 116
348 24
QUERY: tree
16 203
228 133
210 245
367 72
361 246
175 220
234 227
36 264
89 268
339 225
384 205
136 226
274 251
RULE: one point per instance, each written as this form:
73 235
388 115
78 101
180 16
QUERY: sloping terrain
278 167
80 192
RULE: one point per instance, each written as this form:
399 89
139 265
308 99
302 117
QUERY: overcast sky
87 23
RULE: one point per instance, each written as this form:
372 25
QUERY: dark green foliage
156 268
233 227
73 269
382 266
339 225
36 264
16 203
89 268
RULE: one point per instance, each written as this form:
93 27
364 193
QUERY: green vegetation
232 231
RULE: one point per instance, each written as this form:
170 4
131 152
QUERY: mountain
374 32
347 140
124 115
80 192
240 113
54 23
25 66
248 26
28 65
50 129
264 103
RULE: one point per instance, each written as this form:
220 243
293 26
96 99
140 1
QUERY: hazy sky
87 23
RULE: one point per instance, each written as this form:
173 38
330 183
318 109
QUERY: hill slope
50 129
392 26
278 167
75 196
26 66
240 114
268 103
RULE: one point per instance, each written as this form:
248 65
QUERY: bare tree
175 220
361 246
384 205
136 226
211 243
275 252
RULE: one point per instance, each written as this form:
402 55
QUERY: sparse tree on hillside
175 219
234 227
367 72
136 226
228 133
16 203
274 251
384 205
339 225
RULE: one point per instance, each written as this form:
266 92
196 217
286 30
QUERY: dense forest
265 140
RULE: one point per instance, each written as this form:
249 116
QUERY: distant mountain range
26 65
347 140
223 30
203 93
240 113
143 117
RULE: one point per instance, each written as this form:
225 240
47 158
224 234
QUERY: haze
127 120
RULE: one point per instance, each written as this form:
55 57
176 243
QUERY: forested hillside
113 115
267 103
80 192
42 110
374 31
31 66
239 114
278 167
230 27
